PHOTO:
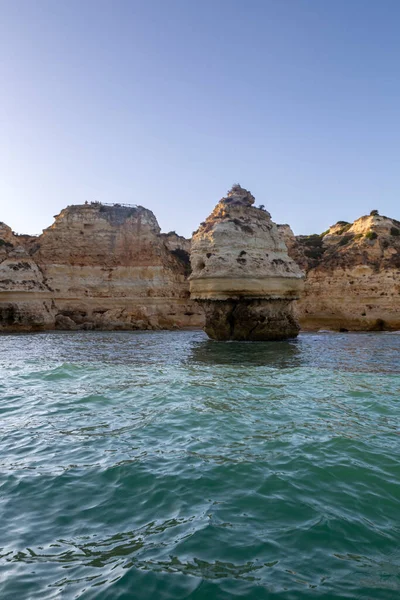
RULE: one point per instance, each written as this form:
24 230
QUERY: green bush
344 229
313 246
394 231
374 213
311 240
371 235
314 252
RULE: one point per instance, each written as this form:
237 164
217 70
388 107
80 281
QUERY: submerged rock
242 274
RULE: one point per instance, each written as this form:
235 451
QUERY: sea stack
242 274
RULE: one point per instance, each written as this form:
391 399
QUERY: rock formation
242 274
109 267
96 267
352 275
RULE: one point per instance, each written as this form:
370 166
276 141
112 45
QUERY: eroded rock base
256 320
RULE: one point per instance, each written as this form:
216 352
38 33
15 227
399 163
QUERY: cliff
242 274
352 275
96 267
109 267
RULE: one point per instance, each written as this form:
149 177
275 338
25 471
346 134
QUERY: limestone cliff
353 275
242 274
96 267
109 267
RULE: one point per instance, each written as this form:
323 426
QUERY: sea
166 466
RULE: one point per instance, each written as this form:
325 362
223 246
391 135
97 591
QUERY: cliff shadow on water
279 355
362 352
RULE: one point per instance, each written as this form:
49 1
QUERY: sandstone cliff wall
353 275
96 267
109 267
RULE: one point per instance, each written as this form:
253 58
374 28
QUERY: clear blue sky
167 103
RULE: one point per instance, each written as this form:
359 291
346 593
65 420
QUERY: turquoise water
162 465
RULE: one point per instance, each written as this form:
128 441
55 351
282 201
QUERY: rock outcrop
96 267
242 274
352 275
109 267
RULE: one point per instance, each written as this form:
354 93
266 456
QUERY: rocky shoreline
110 268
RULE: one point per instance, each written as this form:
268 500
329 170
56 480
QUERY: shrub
343 229
314 252
394 231
342 223
345 240
324 233
313 246
311 240
374 213
371 235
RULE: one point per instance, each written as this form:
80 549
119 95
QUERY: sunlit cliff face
96 267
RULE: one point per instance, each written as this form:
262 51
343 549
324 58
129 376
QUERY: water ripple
163 465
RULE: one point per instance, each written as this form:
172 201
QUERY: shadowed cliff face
250 319
242 274
353 275
96 267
